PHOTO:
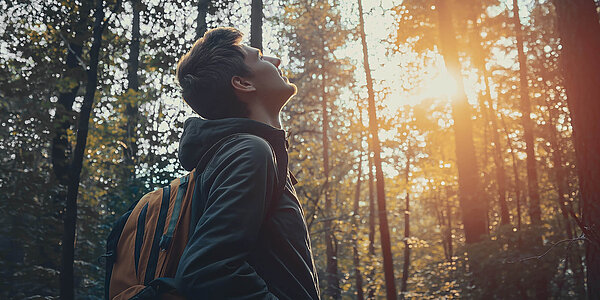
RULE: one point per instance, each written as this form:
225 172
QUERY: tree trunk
256 21
384 231
560 175
67 291
355 227
406 265
472 206
333 288
201 26
372 212
479 60
64 113
535 211
517 180
133 84
579 31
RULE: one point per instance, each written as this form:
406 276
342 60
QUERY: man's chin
294 88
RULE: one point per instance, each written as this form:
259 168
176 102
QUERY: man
250 240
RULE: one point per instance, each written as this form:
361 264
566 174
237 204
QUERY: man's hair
205 72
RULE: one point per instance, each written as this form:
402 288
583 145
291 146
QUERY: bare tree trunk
372 211
256 22
67 290
560 175
472 206
333 288
405 267
201 26
384 231
535 211
61 147
517 180
579 31
355 225
133 84
479 59
449 226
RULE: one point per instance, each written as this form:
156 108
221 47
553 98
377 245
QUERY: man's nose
274 60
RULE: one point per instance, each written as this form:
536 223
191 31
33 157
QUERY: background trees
447 80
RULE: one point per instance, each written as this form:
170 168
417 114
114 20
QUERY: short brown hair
205 72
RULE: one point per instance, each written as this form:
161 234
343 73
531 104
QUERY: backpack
145 245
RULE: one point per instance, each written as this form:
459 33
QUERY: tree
532 182
384 231
70 219
202 8
256 21
578 27
472 206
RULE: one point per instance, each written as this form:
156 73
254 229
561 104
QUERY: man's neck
261 115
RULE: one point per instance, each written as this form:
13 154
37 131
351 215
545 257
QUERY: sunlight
442 85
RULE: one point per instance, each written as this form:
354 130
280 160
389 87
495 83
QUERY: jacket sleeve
239 182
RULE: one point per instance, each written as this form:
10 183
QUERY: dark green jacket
245 244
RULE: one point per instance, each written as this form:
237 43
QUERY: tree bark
384 231
372 212
333 288
479 60
133 84
256 22
579 31
201 26
355 227
535 211
470 194
64 113
67 291
406 265
517 180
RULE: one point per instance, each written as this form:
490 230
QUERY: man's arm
240 182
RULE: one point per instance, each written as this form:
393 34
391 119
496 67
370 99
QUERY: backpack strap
160 225
166 239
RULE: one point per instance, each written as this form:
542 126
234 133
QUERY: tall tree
201 26
73 73
472 206
331 269
356 220
479 60
406 265
579 30
133 86
535 211
256 22
70 217
384 231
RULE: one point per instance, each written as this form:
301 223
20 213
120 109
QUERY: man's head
221 78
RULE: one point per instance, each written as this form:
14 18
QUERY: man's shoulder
246 146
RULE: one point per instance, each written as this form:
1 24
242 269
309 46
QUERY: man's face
271 86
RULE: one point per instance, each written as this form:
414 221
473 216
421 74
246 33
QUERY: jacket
246 244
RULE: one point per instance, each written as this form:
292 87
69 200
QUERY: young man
250 240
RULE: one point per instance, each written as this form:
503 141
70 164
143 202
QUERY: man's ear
242 85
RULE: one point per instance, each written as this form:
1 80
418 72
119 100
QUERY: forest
444 148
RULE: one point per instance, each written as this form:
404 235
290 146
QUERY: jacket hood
200 134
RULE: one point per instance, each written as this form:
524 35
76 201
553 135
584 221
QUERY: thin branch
538 257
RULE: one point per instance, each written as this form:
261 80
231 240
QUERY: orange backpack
146 243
